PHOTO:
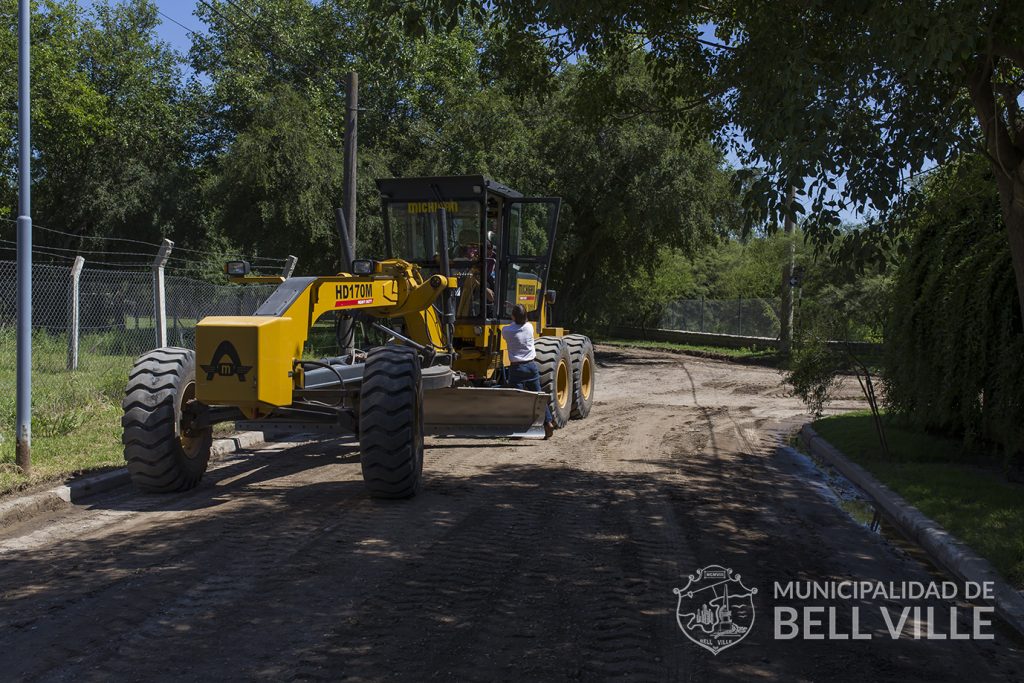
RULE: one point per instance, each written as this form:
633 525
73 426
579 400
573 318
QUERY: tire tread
152 447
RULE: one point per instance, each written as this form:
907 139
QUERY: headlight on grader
237 268
363 267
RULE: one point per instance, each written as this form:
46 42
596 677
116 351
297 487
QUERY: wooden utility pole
786 309
351 137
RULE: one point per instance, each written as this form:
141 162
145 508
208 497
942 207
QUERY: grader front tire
581 350
555 366
160 455
391 422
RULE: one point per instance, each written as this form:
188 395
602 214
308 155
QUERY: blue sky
173 10
180 11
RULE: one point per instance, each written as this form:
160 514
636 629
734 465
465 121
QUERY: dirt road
520 561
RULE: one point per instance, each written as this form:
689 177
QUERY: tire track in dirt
519 561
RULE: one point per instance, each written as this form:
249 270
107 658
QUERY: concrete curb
24 508
944 549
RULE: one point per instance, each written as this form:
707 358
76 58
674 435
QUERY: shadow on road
279 566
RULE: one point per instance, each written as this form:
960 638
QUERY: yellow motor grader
462 251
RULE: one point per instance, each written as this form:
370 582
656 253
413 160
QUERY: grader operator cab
462 251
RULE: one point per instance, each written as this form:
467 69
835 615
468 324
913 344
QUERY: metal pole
160 294
447 296
23 434
73 312
786 305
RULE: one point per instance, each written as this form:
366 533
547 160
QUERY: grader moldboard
462 251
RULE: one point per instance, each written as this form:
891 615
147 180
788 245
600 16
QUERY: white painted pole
160 293
73 312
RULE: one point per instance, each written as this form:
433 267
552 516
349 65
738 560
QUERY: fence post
702 313
160 294
73 312
739 316
289 266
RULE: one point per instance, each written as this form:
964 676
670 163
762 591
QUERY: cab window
415 230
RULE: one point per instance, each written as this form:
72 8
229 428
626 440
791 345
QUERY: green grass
75 415
768 355
974 503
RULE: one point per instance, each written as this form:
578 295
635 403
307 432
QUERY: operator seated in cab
523 372
466 258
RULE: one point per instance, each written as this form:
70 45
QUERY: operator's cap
492 236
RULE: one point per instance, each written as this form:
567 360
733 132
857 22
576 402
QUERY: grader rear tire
391 422
555 366
161 457
581 350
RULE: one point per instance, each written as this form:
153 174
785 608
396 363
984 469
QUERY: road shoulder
22 508
945 550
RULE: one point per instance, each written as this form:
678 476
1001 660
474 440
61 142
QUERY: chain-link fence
115 312
745 317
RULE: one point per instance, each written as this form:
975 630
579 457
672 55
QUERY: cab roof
432 188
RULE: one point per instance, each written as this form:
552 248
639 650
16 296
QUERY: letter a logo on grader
226 363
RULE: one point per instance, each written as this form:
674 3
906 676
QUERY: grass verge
760 356
76 416
974 503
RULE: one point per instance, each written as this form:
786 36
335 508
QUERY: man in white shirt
523 372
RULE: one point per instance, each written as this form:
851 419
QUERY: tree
633 188
863 91
444 102
276 183
277 72
111 126
110 122
954 363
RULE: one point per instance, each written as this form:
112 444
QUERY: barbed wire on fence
128 240
116 314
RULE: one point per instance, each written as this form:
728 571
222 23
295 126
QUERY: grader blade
484 412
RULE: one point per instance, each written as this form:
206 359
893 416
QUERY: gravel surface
520 560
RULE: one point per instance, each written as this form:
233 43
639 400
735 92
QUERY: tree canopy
237 147
110 125
843 100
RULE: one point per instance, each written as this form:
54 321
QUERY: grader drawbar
462 251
